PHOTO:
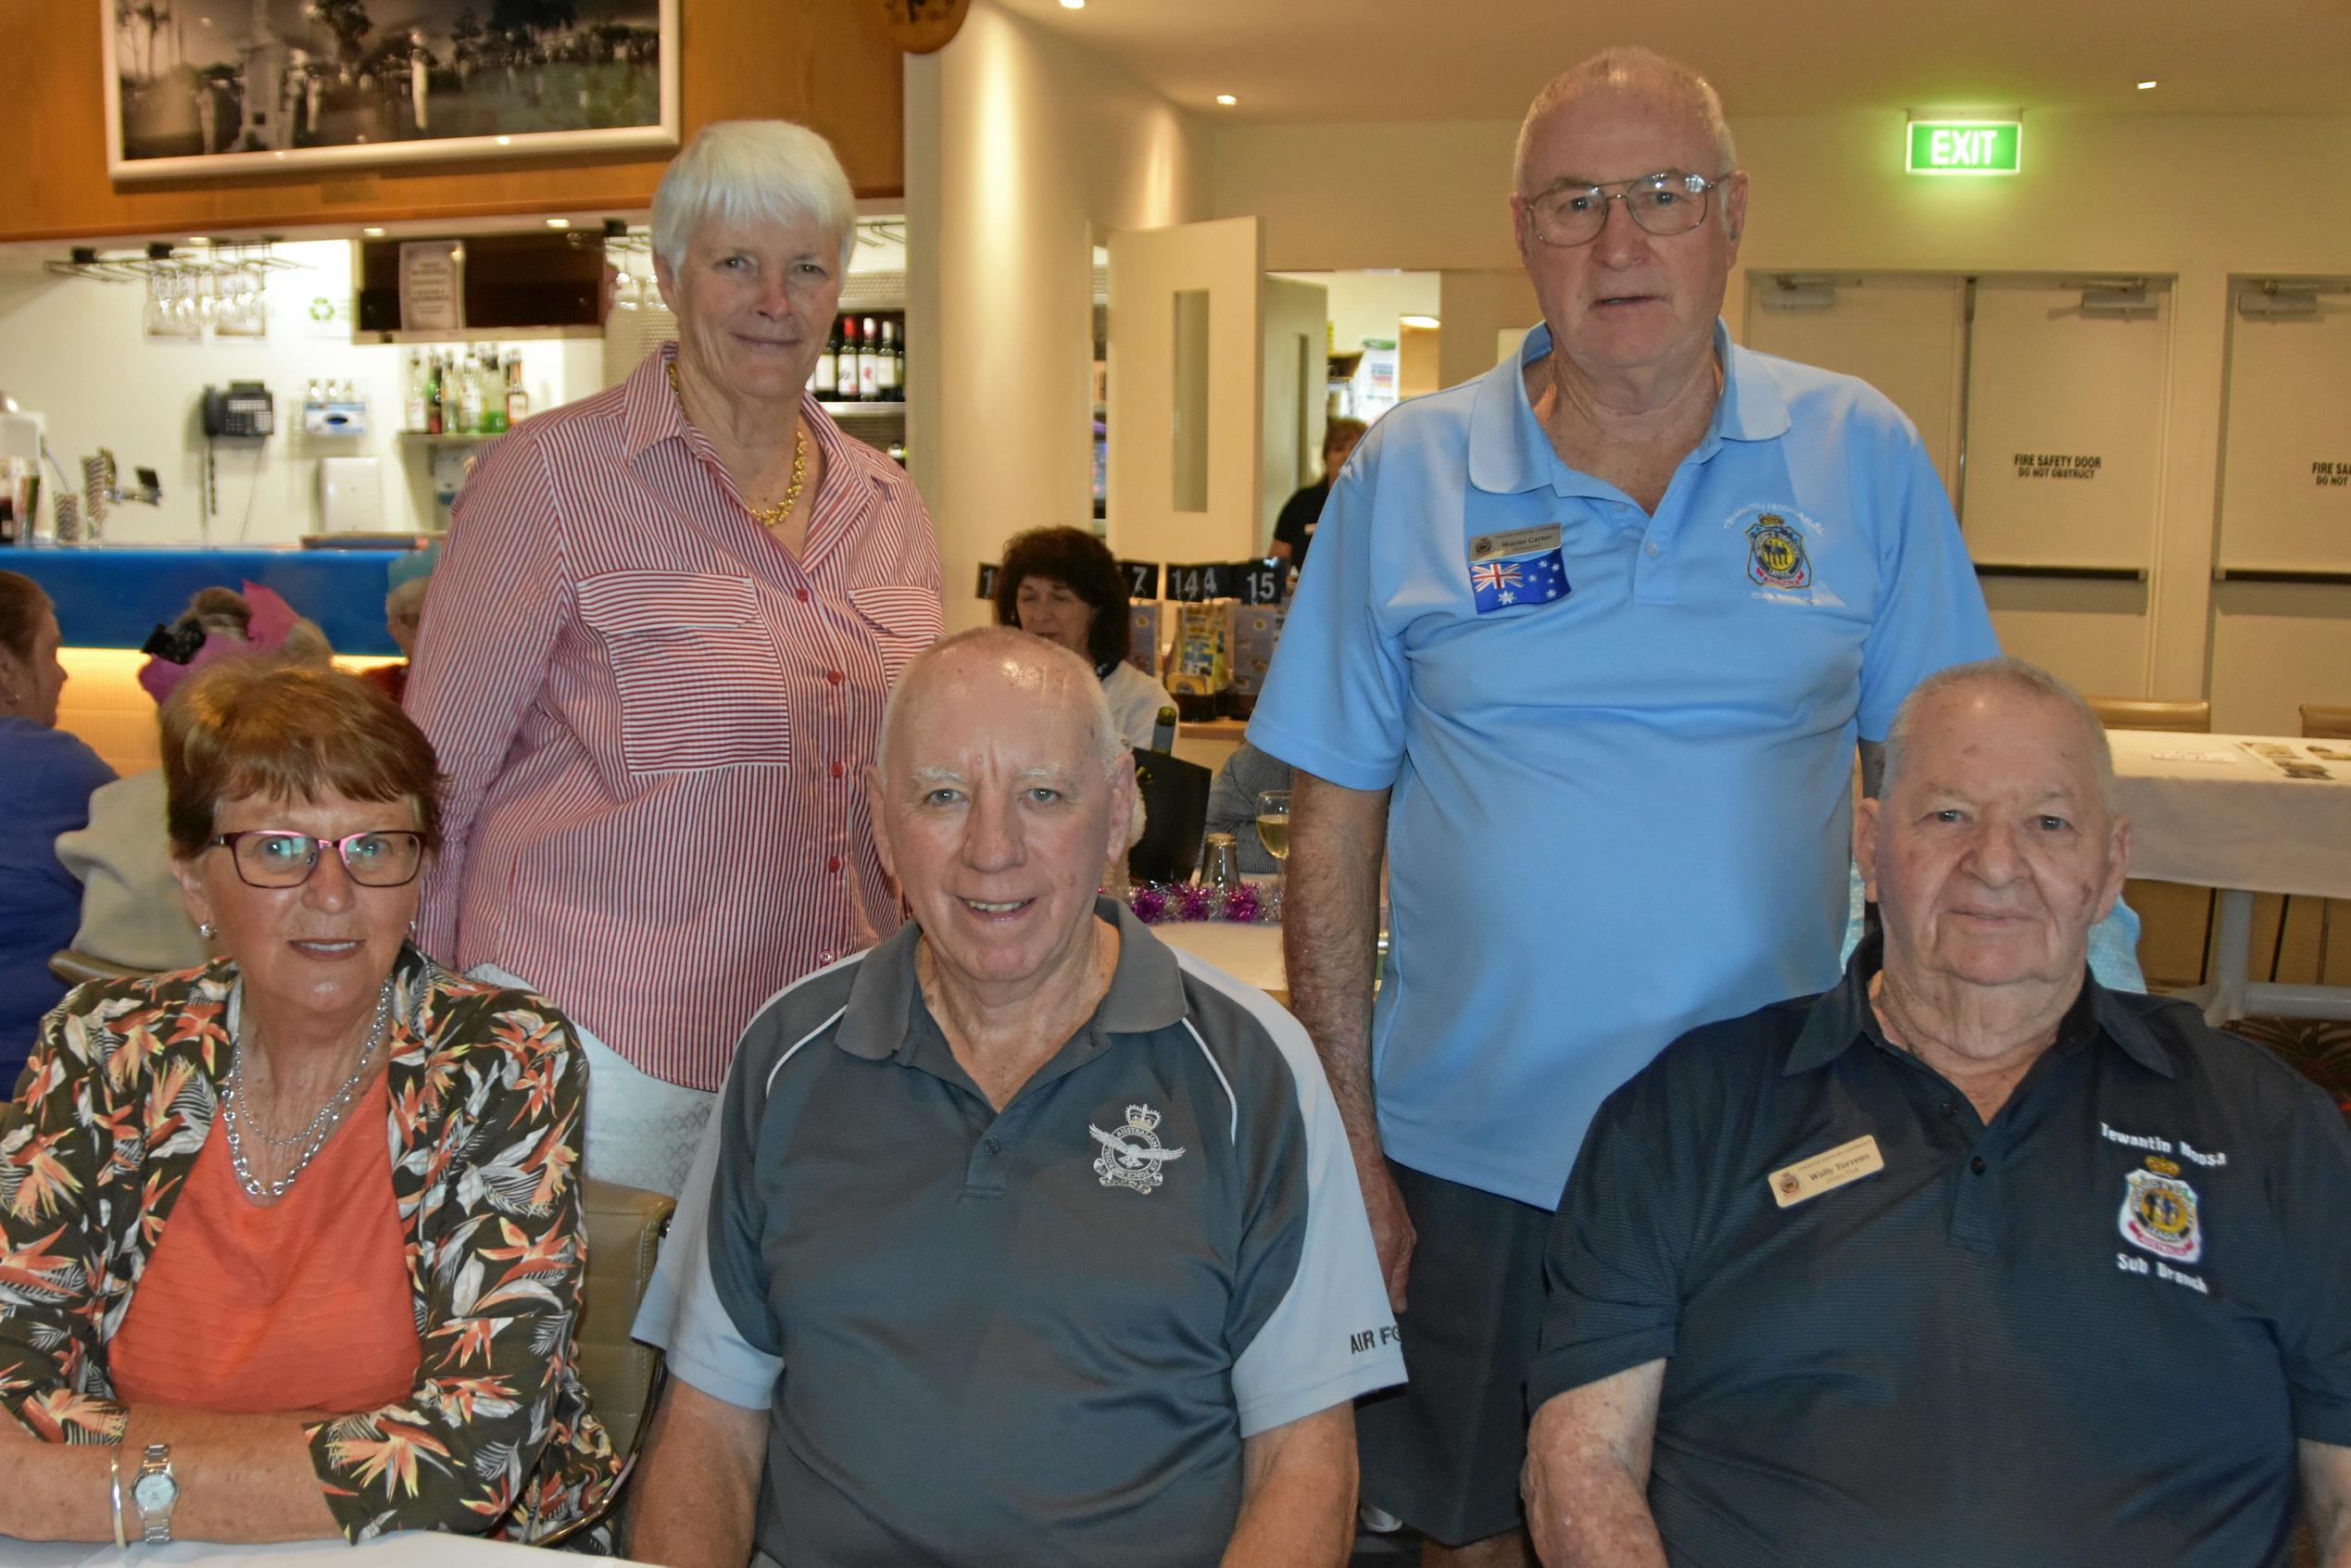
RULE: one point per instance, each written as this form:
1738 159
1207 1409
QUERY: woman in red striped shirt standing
656 656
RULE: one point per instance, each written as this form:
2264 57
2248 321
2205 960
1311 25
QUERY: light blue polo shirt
1621 810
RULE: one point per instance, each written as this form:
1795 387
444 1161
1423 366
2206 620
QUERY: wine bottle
845 363
885 379
869 362
826 378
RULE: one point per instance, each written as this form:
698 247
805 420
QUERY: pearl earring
207 929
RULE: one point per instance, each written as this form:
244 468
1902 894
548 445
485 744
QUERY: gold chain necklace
767 517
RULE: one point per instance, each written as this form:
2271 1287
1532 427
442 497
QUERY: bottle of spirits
436 402
517 400
492 392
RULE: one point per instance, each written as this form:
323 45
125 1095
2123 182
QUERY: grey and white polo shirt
1036 1336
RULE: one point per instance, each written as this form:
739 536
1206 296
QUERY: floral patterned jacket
487 1089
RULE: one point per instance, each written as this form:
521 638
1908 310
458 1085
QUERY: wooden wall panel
826 63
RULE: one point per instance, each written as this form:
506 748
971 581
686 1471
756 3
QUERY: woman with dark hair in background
1063 585
50 776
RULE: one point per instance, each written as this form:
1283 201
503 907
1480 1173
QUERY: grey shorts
1444 1452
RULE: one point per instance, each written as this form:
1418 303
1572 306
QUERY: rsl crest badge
2159 1212
1775 554
1132 1153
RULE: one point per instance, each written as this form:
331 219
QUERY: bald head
1631 71
1016 675
1943 695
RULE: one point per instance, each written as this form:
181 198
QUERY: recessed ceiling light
2144 85
559 223
506 141
372 232
1073 5
1226 99
199 239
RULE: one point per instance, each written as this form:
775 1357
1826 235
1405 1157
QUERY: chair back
1175 812
624 1230
2320 722
78 968
2184 717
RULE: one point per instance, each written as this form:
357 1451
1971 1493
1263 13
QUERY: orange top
301 1306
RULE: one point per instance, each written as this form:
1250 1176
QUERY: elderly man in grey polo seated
1020 1238
1970 1259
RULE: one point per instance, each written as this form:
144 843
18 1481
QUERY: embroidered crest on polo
2159 1212
1132 1153
1779 554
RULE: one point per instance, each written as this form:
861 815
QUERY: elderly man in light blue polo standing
1586 645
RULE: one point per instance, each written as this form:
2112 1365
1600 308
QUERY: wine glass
1272 828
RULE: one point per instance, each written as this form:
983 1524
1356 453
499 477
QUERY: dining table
425 1549
2243 815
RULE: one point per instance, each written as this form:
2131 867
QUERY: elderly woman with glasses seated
290 1244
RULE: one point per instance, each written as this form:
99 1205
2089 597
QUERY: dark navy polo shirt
1029 1336
2088 1333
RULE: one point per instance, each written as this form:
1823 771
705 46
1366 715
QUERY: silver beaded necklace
313 1138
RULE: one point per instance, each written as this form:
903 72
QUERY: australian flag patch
1529 580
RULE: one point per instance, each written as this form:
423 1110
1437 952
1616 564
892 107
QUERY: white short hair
747 170
1627 68
1103 738
2007 674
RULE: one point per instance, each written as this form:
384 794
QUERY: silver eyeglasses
1666 202
265 857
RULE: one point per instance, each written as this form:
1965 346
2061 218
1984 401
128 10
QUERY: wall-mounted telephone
245 412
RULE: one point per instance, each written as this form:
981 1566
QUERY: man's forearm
1588 1474
1330 930
1298 1500
695 1502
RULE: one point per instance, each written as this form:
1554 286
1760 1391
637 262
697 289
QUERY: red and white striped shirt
655 721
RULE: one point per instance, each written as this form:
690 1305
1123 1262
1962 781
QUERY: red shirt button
834 676
800 594
834 864
838 770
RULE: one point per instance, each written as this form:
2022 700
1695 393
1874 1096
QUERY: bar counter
112 595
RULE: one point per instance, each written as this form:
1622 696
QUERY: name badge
1521 567
1516 542
1825 1172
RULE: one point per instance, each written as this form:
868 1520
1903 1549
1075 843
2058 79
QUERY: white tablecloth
1251 954
419 1547
2207 810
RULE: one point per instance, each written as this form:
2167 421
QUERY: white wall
75 350
2100 194
1372 305
1023 151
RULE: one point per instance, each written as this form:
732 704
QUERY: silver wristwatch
156 1494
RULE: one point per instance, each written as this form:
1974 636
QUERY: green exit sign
1966 147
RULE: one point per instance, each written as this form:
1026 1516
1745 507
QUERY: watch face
155 1493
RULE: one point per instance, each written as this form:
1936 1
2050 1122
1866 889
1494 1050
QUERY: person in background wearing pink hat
131 913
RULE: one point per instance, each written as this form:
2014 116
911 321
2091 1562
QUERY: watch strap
154 1529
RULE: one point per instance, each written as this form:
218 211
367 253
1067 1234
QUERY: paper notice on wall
432 286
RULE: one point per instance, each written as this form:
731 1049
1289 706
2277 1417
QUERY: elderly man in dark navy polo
1969 1260
1020 1238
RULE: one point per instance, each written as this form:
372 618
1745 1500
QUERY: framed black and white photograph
208 87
